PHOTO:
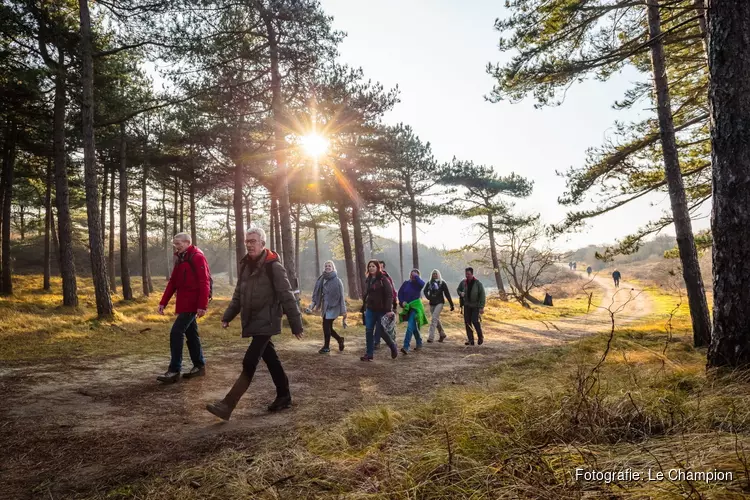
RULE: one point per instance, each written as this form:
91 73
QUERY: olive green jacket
254 299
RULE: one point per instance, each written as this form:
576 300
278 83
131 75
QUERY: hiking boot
480 341
324 350
220 409
365 358
169 377
429 341
468 343
196 371
394 351
404 351
442 338
341 344
280 403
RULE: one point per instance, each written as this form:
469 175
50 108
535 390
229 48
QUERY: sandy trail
85 425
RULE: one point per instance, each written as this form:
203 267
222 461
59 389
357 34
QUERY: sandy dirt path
83 426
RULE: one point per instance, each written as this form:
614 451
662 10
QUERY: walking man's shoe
280 403
169 377
196 371
220 409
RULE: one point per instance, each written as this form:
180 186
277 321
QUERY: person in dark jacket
261 297
436 291
190 279
589 270
616 277
377 301
412 310
376 338
473 297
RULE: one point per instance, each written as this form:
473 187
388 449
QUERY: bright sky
436 51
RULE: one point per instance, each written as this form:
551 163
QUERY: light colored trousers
435 322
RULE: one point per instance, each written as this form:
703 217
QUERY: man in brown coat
262 295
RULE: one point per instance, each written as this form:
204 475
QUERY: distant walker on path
616 277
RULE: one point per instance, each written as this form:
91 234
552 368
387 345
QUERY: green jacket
417 306
477 298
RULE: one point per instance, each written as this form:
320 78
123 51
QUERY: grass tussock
639 399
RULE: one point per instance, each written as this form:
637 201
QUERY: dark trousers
261 347
329 332
617 282
185 326
471 317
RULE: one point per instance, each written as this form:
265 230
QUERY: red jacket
191 286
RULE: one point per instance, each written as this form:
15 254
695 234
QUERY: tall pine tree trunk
230 263
317 251
296 245
176 204
93 218
372 242
351 273
165 222
277 228
401 250
62 192
105 185
112 269
182 207
359 249
9 160
495 259
414 243
47 226
683 227
127 291
55 241
144 231
282 190
193 222
249 208
237 198
271 224
729 98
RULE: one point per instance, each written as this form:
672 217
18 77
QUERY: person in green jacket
473 299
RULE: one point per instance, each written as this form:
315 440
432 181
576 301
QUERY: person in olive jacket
262 295
473 300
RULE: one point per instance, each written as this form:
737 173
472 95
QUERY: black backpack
189 260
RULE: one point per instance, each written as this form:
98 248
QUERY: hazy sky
436 51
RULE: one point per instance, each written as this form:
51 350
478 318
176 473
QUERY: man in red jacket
191 280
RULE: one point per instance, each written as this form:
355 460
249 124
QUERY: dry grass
521 434
35 327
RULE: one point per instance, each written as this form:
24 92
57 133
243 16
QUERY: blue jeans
186 325
372 325
412 329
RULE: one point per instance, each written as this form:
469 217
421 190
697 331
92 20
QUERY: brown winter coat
378 294
254 299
